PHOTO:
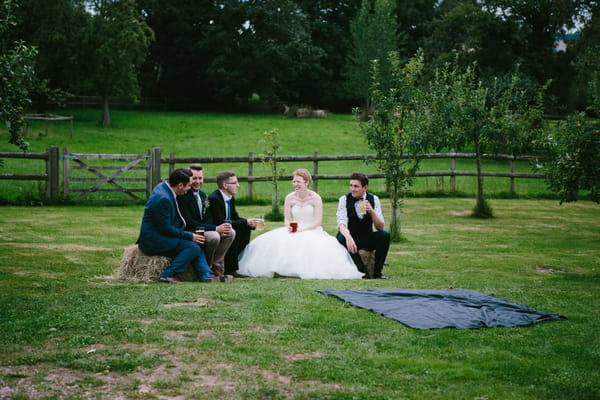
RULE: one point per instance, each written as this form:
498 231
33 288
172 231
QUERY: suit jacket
191 213
162 226
216 210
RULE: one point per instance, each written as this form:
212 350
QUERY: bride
306 252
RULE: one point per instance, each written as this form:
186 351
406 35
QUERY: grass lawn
69 330
214 134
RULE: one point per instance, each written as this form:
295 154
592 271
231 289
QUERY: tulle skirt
310 254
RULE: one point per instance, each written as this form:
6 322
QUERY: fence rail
51 161
251 159
109 178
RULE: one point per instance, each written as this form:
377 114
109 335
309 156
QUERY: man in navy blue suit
163 231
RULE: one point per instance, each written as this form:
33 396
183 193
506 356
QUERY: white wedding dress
312 254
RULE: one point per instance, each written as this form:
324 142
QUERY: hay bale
368 258
136 265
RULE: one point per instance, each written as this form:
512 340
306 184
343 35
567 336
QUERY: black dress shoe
380 276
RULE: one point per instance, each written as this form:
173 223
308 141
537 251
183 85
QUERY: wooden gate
107 177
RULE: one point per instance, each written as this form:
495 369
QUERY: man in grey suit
193 206
162 231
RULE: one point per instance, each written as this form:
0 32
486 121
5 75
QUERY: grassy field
69 330
213 134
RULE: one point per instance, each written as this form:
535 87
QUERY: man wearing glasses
221 209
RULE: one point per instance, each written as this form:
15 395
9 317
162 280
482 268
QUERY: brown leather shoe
168 279
215 270
211 280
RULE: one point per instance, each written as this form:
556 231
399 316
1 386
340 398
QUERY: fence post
452 169
512 175
149 186
315 172
155 166
171 163
250 175
52 172
66 171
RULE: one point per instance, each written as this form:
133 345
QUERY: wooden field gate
107 173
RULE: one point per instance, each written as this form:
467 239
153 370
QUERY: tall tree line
258 55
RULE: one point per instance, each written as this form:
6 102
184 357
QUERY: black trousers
242 238
378 241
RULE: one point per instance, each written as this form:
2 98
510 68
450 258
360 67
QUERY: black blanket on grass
451 308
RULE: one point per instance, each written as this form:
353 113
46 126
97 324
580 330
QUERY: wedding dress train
311 254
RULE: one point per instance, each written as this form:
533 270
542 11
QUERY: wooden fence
315 159
111 178
50 177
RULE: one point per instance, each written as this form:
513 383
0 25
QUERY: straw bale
368 258
136 265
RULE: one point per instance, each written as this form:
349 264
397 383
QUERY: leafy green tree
375 34
329 26
500 34
17 75
52 27
574 158
261 51
392 130
572 150
116 43
465 114
177 60
269 156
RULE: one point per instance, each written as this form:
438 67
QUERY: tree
392 131
572 150
375 34
329 24
465 114
271 149
574 158
52 27
117 42
17 75
261 50
500 34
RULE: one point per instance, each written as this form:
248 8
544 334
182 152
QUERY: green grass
214 134
69 330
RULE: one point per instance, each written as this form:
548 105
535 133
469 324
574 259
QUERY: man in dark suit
358 211
193 206
162 231
222 208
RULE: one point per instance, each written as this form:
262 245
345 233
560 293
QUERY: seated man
358 211
222 208
193 208
162 231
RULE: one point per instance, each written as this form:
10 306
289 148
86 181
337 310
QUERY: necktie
199 201
228 209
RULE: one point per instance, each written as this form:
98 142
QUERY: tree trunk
396 224
275 202
105 112
478 156
482 208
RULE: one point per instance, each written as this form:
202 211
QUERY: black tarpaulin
450 308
